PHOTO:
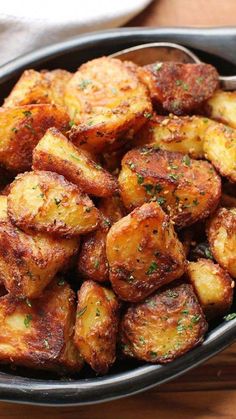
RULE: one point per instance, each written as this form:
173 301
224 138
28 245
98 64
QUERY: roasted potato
55 153
3 208
143 253
39 334
222 107
220 148
21 129
189 190
47 202
97 325
92 261
28 263
172 133
163 327
221 232
179 88
213 287
39 87
107 102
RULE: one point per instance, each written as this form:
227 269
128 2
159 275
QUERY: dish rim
110 387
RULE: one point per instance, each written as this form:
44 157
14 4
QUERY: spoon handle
228 82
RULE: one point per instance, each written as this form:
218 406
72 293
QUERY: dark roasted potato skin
28 263
36 87
56 153
39 334
219 147
179 88
92 261
38 198
213 287
108 102
180 134
163 327
221 232
21 129
143 252
97 325
189 190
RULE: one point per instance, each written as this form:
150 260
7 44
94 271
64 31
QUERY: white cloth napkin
26 25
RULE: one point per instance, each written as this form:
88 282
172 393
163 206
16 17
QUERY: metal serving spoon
166 51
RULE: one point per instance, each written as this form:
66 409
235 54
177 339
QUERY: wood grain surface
208 391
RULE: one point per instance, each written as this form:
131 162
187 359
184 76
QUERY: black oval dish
129 378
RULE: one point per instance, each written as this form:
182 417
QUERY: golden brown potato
220 148
189 190
213 287
92 261
172 133
107 101
28 263
39 87
221 234
164 327
39 334
97 325
222 107
143 252
55 153
179 88
3 208
47 202
21 129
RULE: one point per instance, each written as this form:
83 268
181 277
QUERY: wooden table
209 391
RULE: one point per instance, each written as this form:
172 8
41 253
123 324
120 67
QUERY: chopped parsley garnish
148 188
14 129
157 66
147 115
208 253
195 319
84 83
97 312
173 176
186 160
132 166
57 201
161 200
195 202
71 123
140 179
172 294
60 282
152 268
27 113
230 316
81 312
27 320
96 264
153 354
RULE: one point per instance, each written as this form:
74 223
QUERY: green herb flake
97 166
96 264
180 328
132 166
81 312
186 160
161 200
173 176
60 282
153 354
75 157
142 340
152 268
195 202
46 344
208 253
185 312
84 83
107 222
230 316
89 123
97 312
27 113
71 123
87 209
14 129
147 115
157 67
27 320
195 319
140 179
148 188
199 80
172 294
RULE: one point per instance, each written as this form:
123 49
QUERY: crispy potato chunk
213 286
40 334
47 202
164 327
222 107
92 261
107 101
183 134
28 263
39 87
97 325
55 153
179 88
220 148
189 190
221 232
3 208
21 129
143 252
